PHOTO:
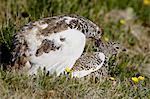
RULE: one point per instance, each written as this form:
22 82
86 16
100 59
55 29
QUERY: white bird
56 43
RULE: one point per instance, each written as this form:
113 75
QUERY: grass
133 34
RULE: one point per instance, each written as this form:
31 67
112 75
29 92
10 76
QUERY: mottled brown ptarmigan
57 43
90 60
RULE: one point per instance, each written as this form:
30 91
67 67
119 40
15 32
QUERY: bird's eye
62 39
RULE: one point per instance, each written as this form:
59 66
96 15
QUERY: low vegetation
126 22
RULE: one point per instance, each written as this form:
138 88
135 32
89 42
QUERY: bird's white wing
68 51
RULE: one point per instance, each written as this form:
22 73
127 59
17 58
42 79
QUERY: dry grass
127 22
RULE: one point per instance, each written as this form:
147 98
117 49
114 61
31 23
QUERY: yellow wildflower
122 21
112 78
68 70
141 78
135 79
146 2
106 39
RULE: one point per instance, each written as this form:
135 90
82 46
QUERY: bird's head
109 48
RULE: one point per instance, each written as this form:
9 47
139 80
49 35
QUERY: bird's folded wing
96 66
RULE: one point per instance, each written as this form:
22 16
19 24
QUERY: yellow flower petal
122 21
68 70
112 78
146 2
141 78
135 79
